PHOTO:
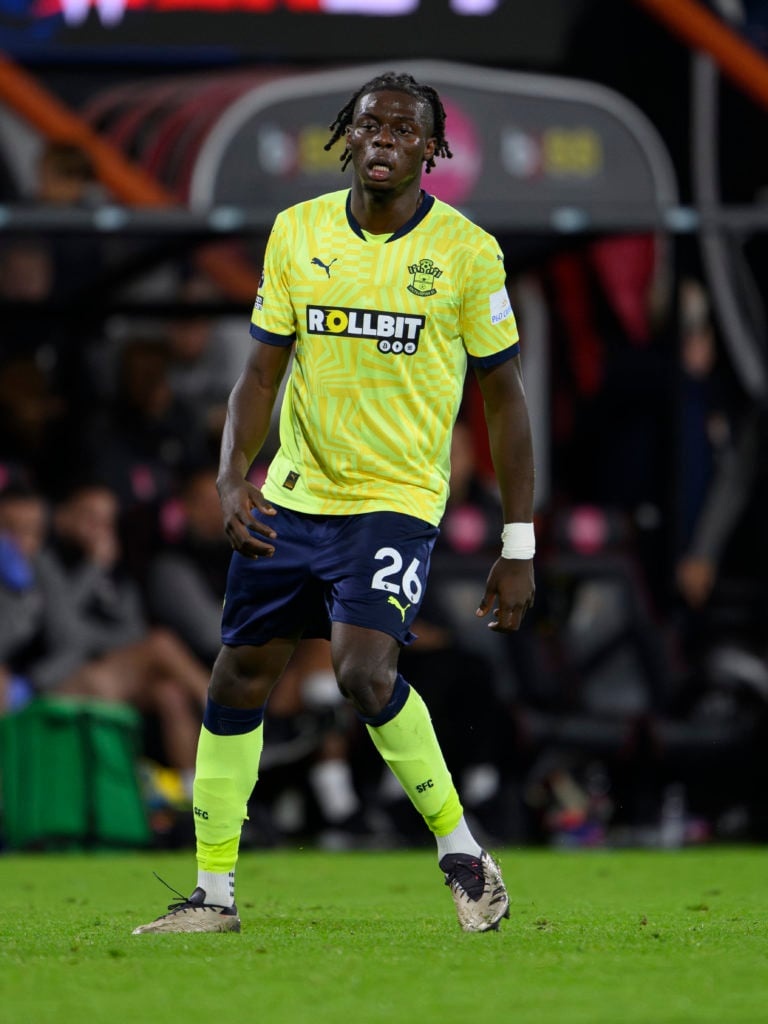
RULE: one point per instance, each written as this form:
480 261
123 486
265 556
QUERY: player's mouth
378 170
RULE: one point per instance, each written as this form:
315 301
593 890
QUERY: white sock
334 789
480 783
320 690
460 840
219 887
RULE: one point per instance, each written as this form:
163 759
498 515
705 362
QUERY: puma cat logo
317 262
396 603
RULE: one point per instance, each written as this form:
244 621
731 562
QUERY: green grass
650 937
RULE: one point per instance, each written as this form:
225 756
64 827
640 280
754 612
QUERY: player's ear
430 147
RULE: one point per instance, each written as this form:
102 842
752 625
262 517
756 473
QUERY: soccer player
384 293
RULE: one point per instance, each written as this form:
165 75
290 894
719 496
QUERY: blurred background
612 146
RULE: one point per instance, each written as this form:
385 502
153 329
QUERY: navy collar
422 210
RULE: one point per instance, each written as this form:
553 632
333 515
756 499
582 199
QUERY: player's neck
384 212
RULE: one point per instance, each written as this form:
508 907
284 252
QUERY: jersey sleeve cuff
496 357
280 340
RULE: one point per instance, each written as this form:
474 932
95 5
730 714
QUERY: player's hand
510 583
238 500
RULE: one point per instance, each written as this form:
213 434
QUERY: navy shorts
367 570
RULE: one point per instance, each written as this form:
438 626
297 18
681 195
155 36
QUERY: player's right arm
249 413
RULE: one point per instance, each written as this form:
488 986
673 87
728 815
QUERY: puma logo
396 603
317 262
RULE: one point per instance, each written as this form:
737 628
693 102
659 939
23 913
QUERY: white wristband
518 540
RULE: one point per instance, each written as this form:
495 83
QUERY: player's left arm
510 585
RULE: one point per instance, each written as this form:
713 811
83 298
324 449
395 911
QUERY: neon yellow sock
226 772
409 745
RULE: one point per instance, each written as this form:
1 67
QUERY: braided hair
394 82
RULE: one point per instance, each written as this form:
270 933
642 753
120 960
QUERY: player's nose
383 136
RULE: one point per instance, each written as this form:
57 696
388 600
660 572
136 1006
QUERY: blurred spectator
187 577
612 366
126 659
469 533
721 568
71 623
143 443
50 286
26 271
40 645
702 423
26 286
66 175
207 355
738 477
23 527
614 656
34 423
473 518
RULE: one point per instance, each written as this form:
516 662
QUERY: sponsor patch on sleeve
501 307
259 303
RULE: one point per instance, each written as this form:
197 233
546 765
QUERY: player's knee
368 691
239 681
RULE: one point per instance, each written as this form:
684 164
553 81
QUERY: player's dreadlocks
395 82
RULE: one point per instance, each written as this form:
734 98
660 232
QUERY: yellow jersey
383 334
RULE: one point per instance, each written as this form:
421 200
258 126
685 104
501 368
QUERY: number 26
410 582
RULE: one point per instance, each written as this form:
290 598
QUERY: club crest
425 273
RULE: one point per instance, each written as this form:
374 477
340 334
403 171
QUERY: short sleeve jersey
383 334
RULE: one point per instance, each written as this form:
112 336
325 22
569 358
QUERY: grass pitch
372 938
